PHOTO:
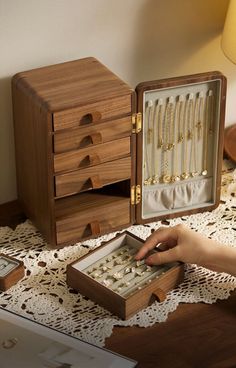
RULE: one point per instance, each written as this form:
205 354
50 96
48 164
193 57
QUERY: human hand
179 243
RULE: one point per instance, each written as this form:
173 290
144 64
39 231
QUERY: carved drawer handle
90 118
95 228
95 138
93 159
159 295
96 182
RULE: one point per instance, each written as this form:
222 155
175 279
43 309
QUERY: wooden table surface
194 336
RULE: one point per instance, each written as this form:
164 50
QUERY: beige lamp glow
228 44
228 41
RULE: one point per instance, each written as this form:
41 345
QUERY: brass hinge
135 194
137 122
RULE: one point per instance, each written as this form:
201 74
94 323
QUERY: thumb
167 256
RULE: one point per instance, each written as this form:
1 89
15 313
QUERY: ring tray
111 277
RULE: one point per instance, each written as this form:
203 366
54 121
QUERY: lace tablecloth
43 294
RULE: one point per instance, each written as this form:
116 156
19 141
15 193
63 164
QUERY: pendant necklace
148 135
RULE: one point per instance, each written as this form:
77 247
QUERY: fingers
167 245
167 256
162 235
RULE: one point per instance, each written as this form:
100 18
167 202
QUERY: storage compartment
86 130
181 140
93 213
11 271
93 113
93 177
111 277
92 156
91 135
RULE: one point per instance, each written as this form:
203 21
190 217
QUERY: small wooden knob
90 118
159 295
93 159
95 181
95 138
95 228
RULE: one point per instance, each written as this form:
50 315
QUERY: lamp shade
228 41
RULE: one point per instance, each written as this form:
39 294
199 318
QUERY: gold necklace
199 123
185 174
205 138
177 122
193 157
171 124
157 137
160 123
181 119
149 115
190 117
167 146
211 111
154 147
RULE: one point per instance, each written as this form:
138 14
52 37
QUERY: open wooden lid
230 142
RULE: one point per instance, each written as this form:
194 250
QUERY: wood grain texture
194 336
123 307
95 291
164 283
75 214
91 106
84 179
34 160
91 156
82 137
6 282
72 84
92 113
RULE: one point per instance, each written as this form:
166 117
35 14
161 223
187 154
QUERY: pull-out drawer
91 156
92 134
93 177
92 113
90 214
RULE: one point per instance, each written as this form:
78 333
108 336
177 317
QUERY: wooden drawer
93 177
91 156
92 113
92 134
90 214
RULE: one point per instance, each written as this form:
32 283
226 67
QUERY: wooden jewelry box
11 271
111 277
93 156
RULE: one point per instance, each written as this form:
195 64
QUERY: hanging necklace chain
178 138
211 111
208 130
156 126
187 135
200 114
149 115
172 132
190 117
181 119
168 143
171 124
160 115
193 155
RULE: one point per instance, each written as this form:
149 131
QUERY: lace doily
43 294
